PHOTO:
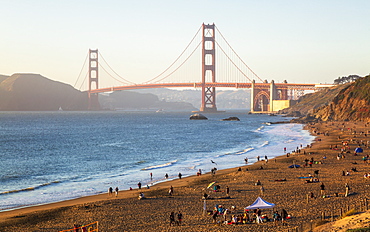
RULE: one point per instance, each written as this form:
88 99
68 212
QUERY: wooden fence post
332 216
366 207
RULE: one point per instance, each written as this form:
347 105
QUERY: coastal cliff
346 102
351 103
308 103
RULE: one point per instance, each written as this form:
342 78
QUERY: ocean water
53 156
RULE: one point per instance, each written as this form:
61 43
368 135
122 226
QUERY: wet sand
127 213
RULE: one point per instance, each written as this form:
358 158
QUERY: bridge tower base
269 98
93 79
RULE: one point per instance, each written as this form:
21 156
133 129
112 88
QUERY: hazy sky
307 41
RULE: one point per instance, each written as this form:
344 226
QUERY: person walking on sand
170 192
172 218
110 191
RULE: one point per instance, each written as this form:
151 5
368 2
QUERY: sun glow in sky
296 40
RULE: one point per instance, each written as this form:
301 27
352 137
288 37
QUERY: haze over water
53 156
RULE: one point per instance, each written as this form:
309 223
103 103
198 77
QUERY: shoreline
157 182
151 214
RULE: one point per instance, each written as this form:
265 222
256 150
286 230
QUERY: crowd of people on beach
222 215
232 216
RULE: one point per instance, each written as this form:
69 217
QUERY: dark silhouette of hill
33 92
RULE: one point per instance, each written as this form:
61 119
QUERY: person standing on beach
347 190
180 175
116 190
139 185
227 190
170 192
110 191
214 216
262 190
179 218
322 189
151 176
166 176
258 158
284 215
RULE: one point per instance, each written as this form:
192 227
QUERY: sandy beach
283 186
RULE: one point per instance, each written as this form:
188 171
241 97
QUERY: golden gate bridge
203 59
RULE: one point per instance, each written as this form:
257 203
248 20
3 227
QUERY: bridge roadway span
210 84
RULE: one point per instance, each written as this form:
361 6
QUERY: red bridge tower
93 78
208 69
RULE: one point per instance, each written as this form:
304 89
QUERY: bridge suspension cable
237 57
123 81
79 75
182 53
179 65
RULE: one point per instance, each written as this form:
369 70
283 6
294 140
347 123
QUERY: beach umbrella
359 150
210 185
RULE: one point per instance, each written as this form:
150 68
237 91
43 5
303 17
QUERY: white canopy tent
260 204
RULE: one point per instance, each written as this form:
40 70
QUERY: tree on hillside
343 80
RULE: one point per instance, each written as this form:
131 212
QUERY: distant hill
130 100
37 93
225 99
